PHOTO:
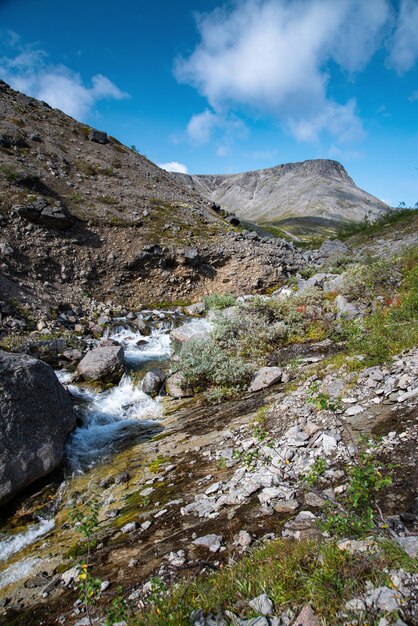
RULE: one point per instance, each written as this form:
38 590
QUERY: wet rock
195 309
36 415
176 388
104 364
262 604
142 326
153 381
265 377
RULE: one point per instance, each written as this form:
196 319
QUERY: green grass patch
291 573
219 301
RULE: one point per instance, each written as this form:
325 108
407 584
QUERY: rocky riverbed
183 487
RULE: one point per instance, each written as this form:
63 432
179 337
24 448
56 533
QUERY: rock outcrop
36 415
319 188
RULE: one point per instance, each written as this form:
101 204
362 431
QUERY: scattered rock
176 387
265 377
212 542
262 604
45 214
98 136
307 617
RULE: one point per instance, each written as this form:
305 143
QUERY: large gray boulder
153 381
103 364
198 329
36 415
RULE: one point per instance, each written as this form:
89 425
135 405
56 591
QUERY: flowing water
109 420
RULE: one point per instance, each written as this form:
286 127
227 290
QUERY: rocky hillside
83 214
319 189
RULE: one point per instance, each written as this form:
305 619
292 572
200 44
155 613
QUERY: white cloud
414 96
404 52
174 166
270 56
336 153
29 71
223 151
201 125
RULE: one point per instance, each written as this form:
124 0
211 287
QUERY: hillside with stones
83 214
288 194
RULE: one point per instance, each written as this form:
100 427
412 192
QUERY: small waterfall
15 543
109 416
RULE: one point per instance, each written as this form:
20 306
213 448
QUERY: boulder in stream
102 364
36 415
153 381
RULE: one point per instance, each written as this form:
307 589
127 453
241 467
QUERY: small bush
219 301
203 365
368 281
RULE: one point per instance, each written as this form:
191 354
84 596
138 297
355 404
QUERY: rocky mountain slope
293 191
83 214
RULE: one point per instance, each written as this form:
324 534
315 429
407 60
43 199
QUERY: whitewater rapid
107 418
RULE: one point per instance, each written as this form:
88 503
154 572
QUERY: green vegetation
108 200
376 227
93 169
86 523
219 301
204 365
291 573
393 324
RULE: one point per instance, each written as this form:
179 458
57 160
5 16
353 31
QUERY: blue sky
216 87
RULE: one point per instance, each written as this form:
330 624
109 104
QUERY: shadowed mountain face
312 189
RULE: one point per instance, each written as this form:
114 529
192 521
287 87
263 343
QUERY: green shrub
368 281
393 325
219 301
369 228
203 365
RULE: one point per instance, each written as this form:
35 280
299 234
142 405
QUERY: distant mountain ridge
319 188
